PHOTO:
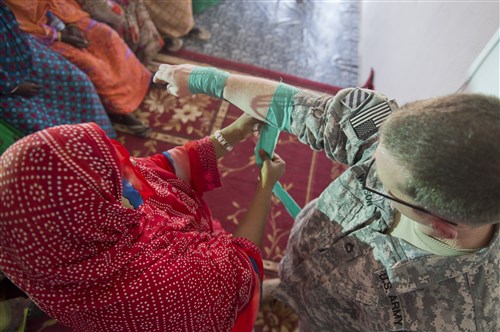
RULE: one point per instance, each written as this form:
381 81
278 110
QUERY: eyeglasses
392 198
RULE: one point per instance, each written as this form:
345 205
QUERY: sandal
199 33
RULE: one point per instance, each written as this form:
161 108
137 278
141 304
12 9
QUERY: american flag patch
367 121
355 98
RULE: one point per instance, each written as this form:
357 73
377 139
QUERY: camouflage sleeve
344 125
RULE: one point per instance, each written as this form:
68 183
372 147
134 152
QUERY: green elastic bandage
277 119
281 107
207 80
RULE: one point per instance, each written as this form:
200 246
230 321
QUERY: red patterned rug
177 120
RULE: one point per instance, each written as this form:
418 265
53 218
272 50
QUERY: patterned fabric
15 55
66 95
143 36
176 121
342 272
104 61
172 18
96 265
130 18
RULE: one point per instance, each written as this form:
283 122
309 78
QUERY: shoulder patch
366 121
356 98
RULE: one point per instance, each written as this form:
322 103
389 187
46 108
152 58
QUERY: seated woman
120 79
105 242
130 18
174 19
39 88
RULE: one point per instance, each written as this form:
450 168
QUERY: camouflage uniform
342 272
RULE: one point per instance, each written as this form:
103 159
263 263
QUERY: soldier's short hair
451 148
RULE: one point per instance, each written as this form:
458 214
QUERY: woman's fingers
263 155
272 168
173 90
277 159
160 76
175 77
165 75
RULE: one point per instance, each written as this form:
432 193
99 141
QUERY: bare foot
173 44
199 33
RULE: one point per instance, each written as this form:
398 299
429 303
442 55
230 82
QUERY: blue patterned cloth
66 95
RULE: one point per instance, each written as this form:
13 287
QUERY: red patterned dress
94 264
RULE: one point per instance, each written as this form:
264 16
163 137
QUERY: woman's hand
254 220
246 126
236 132
272 169
73 36
27 89
175 77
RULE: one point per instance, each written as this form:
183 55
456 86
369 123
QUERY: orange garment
118 76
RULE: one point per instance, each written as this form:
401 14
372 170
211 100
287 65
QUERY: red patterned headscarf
93 264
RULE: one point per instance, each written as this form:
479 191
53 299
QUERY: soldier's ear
443 229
